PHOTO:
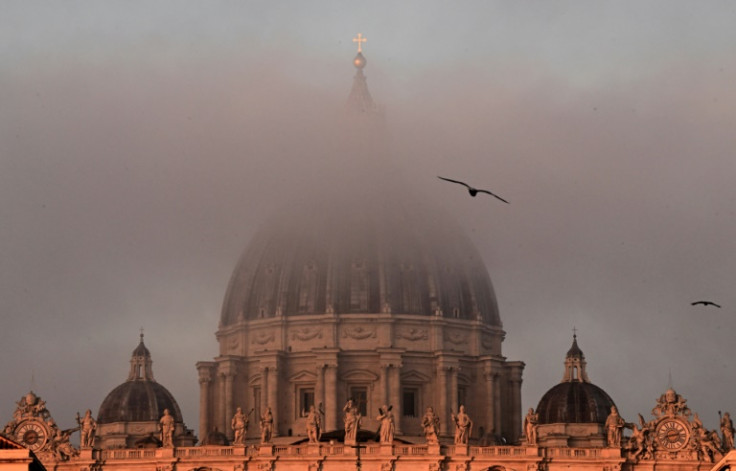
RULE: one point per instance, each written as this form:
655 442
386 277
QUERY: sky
143 143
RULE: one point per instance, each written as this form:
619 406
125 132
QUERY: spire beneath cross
574 332
360 40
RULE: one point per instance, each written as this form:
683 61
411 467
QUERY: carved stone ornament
306 333
138 429
456 338
671 404
673 434
262 338
233 344
33 427
359 333
413 334
267 466
487 343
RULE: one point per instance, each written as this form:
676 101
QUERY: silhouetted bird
704 303
473 191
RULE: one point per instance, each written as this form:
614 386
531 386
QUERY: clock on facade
672 434
31 434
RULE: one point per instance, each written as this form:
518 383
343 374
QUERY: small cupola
575 364
140 363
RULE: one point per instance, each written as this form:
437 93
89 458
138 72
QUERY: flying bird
471 190
705 303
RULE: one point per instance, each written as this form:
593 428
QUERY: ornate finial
574 332
141 334
360 40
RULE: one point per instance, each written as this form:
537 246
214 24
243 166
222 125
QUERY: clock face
672 435
31 434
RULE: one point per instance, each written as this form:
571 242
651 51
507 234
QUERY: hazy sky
143 143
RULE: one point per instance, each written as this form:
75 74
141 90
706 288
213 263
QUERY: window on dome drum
358 287
306 400
409 402
360 398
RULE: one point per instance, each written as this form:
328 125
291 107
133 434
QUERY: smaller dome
574 402
138 401
140 398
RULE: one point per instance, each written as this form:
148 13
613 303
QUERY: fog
141 148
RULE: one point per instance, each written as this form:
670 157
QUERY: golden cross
360 40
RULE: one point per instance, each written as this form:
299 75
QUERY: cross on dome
360 40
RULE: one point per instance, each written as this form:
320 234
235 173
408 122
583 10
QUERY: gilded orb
359 61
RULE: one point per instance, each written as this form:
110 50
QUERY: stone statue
638 443
352 419
63 450
614 424
87 430
239 424
463 427
705 444
531 421
267 425
386 417
431 426
727 431
314 425
166 428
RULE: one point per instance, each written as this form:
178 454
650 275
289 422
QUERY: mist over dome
361 291
377 255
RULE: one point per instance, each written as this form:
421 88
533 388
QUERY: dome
368 257
574 402
138 401
140 398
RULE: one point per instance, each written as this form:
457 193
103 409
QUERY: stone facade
407 361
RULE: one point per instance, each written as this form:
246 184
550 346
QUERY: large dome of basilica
389 257
362 291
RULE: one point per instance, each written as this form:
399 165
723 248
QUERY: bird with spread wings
473 191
